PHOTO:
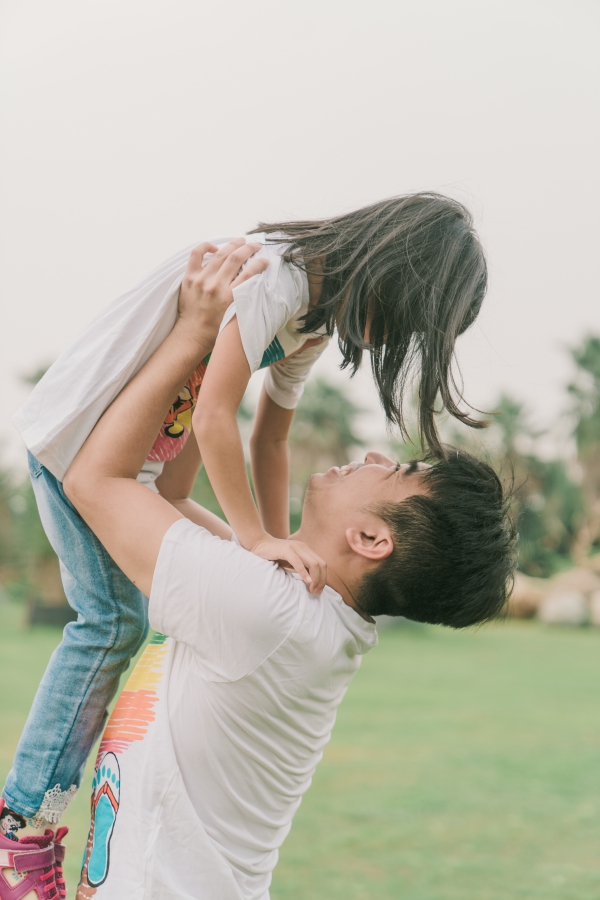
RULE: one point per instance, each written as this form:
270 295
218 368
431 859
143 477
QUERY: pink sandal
32 857
59 857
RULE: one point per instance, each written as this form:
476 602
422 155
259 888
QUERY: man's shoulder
230 607
327 624
226 566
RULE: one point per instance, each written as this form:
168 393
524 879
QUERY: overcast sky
131 128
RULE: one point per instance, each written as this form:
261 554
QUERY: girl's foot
27 867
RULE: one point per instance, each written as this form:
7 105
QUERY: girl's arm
217 432
175 484
268 444
271 464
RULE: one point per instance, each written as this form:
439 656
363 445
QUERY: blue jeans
70 707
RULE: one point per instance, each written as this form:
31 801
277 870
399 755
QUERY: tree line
556 498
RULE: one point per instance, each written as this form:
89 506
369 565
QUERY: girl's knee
141 633
133 629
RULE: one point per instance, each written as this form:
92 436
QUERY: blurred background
463 765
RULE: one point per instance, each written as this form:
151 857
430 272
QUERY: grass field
464 766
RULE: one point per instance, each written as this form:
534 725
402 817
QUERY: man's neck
344 586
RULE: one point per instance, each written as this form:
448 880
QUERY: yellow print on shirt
177 425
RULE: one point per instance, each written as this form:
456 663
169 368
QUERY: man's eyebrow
412 468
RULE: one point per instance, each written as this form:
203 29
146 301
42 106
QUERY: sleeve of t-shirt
231 607
284 380
266 302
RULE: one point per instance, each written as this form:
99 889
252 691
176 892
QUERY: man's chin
314 485
320 479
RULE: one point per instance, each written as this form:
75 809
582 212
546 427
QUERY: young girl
401 278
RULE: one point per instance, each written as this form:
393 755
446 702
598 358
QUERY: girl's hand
294 556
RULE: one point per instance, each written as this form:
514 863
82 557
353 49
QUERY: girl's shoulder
266 304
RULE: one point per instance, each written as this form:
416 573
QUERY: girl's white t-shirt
220 727
65 405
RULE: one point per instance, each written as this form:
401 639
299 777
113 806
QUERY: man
222 723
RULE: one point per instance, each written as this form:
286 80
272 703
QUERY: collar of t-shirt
364 633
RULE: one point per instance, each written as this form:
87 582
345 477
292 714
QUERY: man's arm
130 520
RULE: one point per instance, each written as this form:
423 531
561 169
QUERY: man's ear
372 541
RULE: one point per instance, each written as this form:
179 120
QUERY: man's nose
373 458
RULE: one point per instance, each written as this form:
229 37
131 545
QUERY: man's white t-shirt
65 405
218 731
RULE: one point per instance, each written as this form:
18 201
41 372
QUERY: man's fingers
222 253
195 262
230 268
223 269
254 267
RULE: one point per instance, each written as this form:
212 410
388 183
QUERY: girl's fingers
298 557
303 567
297 565
317 568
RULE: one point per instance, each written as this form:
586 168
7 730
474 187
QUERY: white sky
131 128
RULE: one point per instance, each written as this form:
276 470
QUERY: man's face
333 498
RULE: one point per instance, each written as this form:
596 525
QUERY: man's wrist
199 343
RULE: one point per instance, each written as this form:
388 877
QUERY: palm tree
585 395
546 501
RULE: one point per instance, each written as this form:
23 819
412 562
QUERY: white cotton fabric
255 672
149 472
65 405
284 380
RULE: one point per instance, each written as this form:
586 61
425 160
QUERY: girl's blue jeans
70 707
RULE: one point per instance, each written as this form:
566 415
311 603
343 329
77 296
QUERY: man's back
235 710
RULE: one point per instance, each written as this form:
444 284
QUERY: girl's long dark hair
414 269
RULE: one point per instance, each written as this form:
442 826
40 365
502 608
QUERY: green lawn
464 766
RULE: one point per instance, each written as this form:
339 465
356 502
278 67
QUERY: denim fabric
69 710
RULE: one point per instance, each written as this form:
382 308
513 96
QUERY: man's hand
207 288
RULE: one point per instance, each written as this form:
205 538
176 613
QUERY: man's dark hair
414 267
454 548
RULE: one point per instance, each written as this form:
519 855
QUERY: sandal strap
27 860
